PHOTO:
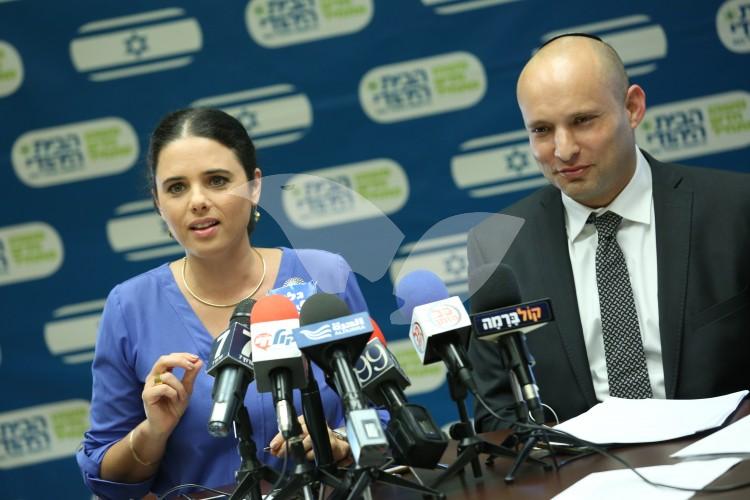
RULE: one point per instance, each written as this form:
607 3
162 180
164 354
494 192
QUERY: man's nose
566 147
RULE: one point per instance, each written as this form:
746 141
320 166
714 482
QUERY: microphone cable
200 487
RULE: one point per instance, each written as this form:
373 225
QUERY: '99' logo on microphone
372 361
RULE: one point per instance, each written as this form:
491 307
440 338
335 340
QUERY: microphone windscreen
493 286
241 312
377 333
417 288
322 307
274 308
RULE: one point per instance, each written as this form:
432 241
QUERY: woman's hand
165 397
339 446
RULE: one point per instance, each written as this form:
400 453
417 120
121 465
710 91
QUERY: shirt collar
633 203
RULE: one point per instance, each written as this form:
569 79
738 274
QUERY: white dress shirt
637 238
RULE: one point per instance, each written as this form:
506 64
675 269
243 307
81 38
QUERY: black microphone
414 437
334 339
440 325
231 364
498 315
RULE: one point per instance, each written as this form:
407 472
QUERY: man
673 319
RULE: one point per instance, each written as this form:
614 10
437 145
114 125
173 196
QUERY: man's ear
635 105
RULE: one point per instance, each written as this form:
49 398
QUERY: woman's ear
156 202
255 186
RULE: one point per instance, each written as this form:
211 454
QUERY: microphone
232 366
440 325
279 364
297 290
334 338
493 287
414 437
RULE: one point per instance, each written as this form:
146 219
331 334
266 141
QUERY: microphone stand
361 478
470 445
530 438
251 471
304 473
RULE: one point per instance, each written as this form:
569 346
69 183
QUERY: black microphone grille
492 286
322 307
242 311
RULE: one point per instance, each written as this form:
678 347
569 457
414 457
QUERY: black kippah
585 35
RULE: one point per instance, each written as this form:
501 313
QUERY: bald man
684 235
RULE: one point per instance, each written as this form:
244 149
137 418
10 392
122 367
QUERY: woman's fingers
190 375
168 362
169 379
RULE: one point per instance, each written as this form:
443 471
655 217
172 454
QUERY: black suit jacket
703 261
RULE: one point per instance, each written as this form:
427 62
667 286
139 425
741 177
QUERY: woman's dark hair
210 124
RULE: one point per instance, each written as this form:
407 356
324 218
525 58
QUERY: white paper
733 439
624 484
619 420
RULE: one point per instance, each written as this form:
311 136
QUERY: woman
151 396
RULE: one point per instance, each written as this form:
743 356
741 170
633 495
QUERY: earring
256 215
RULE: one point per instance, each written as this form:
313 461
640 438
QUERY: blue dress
146 317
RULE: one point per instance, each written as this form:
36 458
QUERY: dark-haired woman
151 396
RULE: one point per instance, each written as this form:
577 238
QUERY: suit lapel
672 209
561 285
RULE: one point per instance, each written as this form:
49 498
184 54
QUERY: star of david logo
455 265
248 119
136 44
517 161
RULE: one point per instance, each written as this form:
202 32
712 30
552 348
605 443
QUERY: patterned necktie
623 347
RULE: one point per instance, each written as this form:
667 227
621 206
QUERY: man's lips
573 172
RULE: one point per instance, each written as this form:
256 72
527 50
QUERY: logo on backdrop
40 433
278 23
696 127
345 193
733 25
273 115
136 44
139 233
639 41
443 255
459 6
72 333
422 87
11 69
29 251
75 152
495 165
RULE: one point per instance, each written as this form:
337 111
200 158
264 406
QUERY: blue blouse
146 317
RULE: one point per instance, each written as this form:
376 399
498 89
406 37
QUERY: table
532 482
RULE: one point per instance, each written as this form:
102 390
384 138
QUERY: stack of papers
731 440
619 420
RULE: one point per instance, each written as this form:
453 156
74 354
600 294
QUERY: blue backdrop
410 104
